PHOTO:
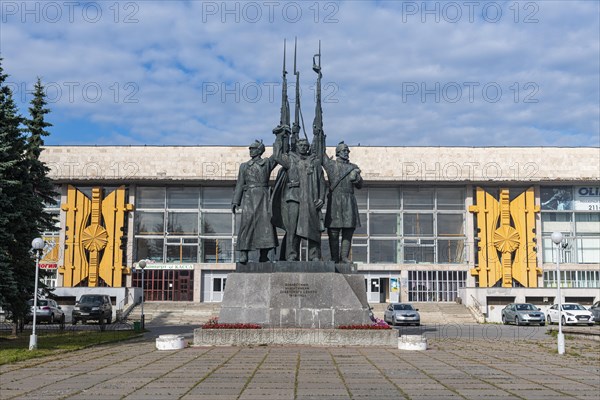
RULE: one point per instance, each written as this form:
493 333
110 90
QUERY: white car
572 313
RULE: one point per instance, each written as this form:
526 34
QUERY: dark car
47 311
595 309
522 314
92 307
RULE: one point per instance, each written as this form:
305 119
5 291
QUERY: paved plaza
465 368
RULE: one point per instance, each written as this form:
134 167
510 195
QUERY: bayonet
319 135
285 104
297 109
318 121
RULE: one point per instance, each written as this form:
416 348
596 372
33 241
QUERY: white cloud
373 56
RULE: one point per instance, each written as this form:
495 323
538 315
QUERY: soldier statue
304 196
252 193
342 210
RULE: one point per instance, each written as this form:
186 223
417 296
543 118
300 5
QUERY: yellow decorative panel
506 234
94 228
523 210
488 214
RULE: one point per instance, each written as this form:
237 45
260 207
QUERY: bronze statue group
295 202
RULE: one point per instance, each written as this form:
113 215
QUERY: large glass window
450 225
561 212
435 285
589 279
183 198
217 251
418 198
556 222
182 253
450 199
216 197
149 222
182 223
361 198
411 224
216 224
384 198
451 251
150 197
384 224
149 249
191 235
398 224
361 231
419 251
587 223
359 253
383 251
418 224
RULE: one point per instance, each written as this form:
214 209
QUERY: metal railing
475 309
131 302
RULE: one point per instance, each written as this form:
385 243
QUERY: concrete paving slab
434 394
474 368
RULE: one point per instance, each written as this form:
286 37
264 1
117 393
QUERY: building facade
437 223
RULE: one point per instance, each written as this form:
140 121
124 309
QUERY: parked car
595 309
47 311
522 314
572 313
92 307
401 313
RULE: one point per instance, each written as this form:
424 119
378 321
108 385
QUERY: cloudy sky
401 73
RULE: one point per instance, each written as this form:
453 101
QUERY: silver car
47 311
522 314
402 313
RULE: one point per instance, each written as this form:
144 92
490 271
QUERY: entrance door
166 285
384 290
183 292
373 294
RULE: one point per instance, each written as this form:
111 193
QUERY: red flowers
364 327
213 323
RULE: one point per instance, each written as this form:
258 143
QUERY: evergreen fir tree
16 272
43 188
24 187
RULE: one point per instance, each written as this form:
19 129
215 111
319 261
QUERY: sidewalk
450 369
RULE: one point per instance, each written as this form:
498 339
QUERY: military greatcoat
342 209
253 194
305 186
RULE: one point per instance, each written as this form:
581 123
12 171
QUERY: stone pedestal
295 299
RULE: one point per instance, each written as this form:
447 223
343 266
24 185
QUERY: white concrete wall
221 163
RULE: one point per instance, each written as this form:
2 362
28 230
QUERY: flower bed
232 326
386 326
213 323
378 323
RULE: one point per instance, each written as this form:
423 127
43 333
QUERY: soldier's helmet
258 145
341 146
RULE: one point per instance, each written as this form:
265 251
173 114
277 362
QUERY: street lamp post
142 265
37 244
557 238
